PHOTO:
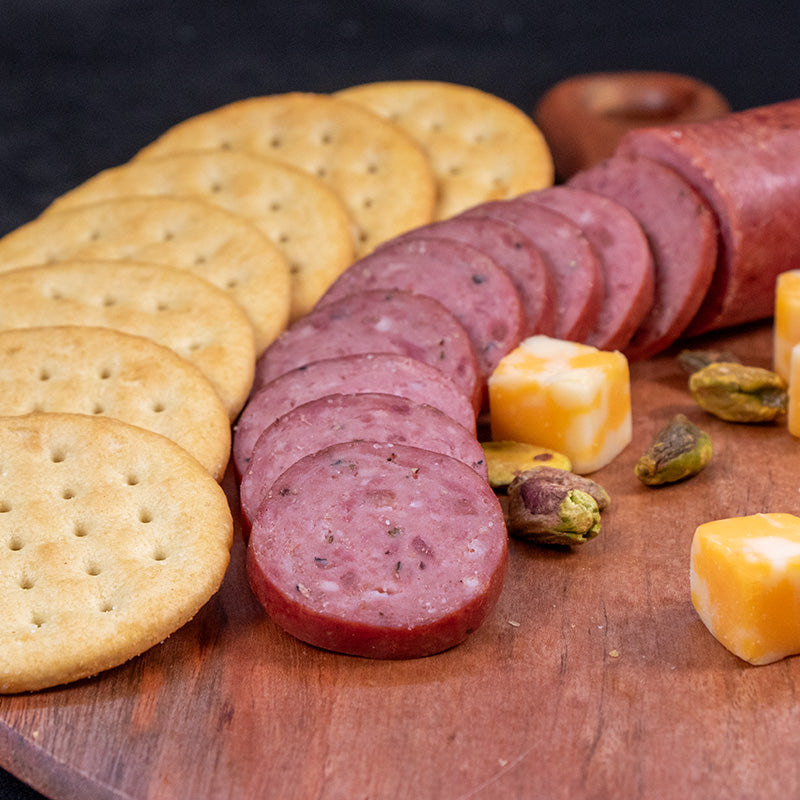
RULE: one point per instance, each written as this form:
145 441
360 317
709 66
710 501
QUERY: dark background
85 83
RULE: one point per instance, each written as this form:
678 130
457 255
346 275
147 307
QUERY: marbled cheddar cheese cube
786 330
745 584
565 396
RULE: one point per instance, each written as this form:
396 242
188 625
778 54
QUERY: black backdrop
85 83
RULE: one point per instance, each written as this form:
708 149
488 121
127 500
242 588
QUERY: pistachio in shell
571 480
738 393
554 507
679 451
694 360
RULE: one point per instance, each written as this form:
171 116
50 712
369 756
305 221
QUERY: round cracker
190 234
381 174
302 216
173 307
481 146
89 370
111 538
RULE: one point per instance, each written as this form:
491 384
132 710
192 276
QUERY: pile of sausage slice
372 528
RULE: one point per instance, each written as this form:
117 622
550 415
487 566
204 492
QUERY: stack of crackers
133 311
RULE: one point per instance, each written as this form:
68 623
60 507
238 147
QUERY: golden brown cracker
101 371
190 234
173 307
381 174
111 538
302 216
481 146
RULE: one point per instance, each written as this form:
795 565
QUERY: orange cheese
786 330
745 584
564 396
793 405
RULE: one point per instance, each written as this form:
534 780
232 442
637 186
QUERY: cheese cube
786 327
745 584
793 406
564 396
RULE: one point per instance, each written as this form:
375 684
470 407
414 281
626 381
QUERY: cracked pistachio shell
506 460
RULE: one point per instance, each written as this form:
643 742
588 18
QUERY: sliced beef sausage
579 281
625 259
338 418
378 550
378 321
744 165
466 281
387 373
515 253
682 233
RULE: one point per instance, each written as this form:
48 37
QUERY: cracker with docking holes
481 146
173 307
381 174
299 213
190 234
111 538
90 370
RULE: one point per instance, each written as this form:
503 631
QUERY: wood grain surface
594 677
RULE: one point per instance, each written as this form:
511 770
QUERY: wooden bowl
583 117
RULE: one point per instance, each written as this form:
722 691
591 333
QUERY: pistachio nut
551 512
505 460
694 360
739 393
679 451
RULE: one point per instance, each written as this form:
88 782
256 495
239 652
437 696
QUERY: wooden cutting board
594 677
